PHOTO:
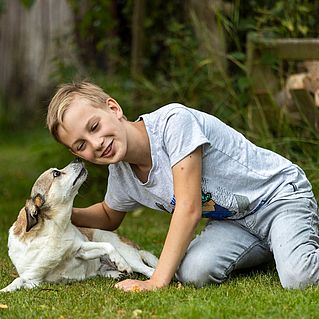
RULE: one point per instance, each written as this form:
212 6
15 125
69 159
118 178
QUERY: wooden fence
265 82
30 40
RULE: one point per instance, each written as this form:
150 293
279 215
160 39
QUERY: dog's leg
149 258
35 274
143 269
105 271
139 266
92 250
19 283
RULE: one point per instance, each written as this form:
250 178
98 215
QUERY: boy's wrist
158 281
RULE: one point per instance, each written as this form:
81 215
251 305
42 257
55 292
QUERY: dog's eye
56 173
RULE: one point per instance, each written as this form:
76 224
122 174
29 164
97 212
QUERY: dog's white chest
55 250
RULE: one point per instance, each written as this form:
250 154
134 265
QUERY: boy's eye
80 147
94 127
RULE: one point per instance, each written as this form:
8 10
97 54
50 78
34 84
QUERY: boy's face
96 134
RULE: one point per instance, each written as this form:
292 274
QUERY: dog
45 246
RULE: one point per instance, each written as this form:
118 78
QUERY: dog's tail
148 258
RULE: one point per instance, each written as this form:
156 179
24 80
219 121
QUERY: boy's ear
114 107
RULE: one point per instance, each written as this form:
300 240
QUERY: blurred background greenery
148 53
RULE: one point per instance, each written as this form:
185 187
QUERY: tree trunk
209 32
137 38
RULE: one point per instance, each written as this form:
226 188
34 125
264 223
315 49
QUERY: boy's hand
130 285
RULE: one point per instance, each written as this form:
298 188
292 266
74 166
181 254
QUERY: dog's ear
33 209
31 213
38 200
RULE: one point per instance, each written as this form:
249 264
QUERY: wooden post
137 38
265 83
210 33
307 108
29 42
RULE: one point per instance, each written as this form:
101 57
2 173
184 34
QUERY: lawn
256 294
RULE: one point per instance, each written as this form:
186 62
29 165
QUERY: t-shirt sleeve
182 134
117 197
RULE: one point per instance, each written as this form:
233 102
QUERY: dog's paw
15 285
30 284
19 283
114 274
5 289
120 262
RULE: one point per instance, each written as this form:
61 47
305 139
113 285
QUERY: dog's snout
77 160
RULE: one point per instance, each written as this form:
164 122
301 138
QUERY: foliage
95 22
2 6
295 18
174 70
104 29
172 64
28 3
289 18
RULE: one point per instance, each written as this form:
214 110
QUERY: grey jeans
286 231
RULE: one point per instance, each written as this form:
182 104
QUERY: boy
192 165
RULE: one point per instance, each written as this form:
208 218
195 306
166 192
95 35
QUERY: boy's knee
199 270
293 281
297 278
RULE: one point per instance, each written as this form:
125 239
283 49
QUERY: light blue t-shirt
237 176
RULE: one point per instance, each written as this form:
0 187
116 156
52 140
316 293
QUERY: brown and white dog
45 246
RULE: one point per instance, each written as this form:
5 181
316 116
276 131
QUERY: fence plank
29 41
265 83
306 107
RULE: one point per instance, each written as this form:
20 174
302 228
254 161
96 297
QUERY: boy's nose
97 143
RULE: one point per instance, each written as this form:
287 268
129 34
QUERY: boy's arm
98 215
187 214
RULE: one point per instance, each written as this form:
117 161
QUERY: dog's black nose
77 160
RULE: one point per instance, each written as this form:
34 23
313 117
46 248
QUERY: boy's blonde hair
64 97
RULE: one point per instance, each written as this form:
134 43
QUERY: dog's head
54 191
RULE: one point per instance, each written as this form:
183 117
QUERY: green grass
255 294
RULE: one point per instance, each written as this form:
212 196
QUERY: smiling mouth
108 150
